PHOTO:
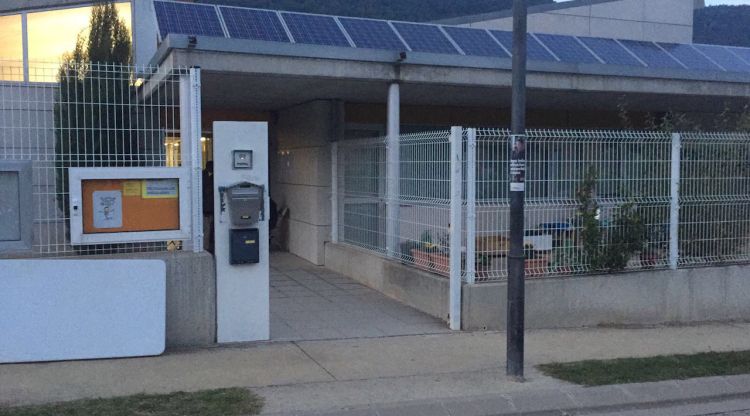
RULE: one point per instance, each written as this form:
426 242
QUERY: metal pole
191 152
335 193
674 211
456 218
393 170
471 206
516 289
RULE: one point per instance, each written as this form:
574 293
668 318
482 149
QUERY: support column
393 170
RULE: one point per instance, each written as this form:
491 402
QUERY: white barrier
53 310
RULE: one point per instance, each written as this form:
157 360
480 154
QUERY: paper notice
107 209
160 188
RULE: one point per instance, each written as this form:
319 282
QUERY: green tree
91 116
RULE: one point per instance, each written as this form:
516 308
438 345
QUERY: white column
456 216
674 209
191 152
393 170
335 193
471 205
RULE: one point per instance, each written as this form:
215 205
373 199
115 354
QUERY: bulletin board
119 205
130 205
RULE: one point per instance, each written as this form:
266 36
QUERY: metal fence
596 201
89 115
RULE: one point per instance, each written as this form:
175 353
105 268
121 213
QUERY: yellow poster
131 188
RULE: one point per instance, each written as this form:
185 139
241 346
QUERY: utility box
245 202
244 246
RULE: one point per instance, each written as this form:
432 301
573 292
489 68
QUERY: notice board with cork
115 205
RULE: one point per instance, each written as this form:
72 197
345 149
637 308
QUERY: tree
93 114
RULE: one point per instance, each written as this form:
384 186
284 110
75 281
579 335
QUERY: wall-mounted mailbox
245 202
244 246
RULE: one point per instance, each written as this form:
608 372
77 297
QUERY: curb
562 401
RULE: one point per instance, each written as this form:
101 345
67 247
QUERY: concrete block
191 299
423 291
633 10
307 240
619 29
664 32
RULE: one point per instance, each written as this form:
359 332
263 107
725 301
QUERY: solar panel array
289 27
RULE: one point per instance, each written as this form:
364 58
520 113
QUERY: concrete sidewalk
375 373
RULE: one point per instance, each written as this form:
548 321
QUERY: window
16 189
50 35
11 48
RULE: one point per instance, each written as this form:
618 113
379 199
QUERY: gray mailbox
245 201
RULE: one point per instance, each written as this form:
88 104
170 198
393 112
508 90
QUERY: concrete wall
421 290
642 298
655 20
301 174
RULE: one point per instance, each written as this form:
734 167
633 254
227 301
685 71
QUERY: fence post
191 151
335 193
393 171
674 209
471 205
456 206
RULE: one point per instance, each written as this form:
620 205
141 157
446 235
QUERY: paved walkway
314 303
428 372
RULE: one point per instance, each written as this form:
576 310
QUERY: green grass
224 402
642 370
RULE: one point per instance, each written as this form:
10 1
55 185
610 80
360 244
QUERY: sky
732 2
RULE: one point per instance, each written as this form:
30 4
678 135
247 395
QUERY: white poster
108 209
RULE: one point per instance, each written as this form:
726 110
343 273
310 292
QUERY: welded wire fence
77 115
596 201
410 224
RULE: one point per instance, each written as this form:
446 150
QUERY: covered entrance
311 302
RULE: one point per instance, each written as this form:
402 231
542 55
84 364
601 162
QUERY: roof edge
542 8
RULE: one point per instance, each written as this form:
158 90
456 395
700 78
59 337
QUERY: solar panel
374 34
743 53
476 42
314 29
690 57
534 49
187 19
722 56
568 49
253 24
425 38
610 51
651 54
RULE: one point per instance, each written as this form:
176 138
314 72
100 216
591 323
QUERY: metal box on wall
244 246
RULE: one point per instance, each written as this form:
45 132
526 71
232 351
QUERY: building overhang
267 76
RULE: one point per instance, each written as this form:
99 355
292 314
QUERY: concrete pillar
393 169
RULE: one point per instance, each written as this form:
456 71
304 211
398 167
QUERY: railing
596 201
89 115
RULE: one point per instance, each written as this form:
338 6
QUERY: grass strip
643 370
223 402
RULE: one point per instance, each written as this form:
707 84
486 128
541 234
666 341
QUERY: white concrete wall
301 175
654 20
